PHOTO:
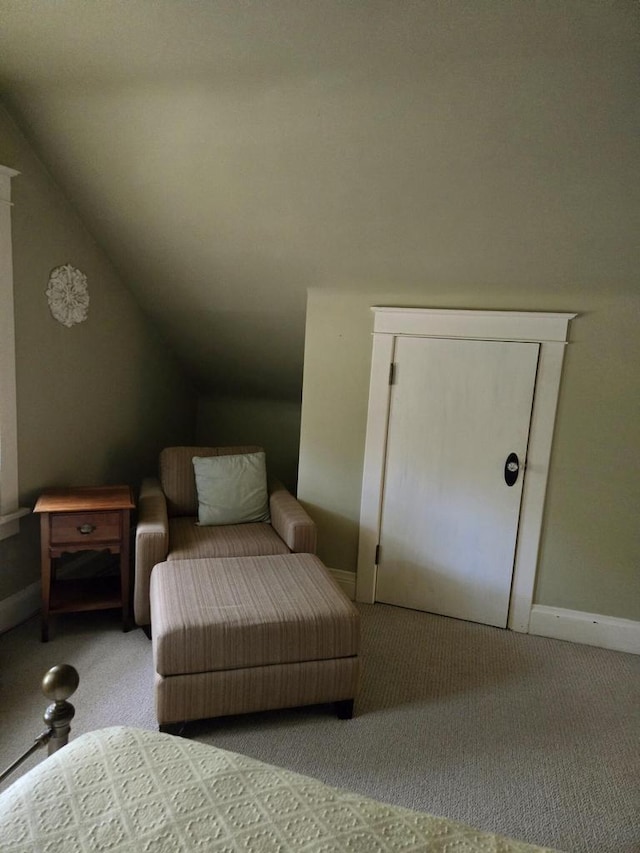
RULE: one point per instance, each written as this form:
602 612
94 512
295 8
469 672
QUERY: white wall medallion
68 295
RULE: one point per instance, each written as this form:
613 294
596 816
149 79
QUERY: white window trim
551 332
10 512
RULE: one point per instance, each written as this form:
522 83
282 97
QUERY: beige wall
590 545
95 401
502 176
407 145
273 424
454 154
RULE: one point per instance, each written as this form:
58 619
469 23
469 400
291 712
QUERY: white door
449 521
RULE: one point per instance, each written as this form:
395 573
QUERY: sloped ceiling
230 154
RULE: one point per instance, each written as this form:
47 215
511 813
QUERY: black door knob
511 469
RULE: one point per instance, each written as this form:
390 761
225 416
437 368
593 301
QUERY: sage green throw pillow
231 489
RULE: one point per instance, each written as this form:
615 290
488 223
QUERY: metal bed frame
59 683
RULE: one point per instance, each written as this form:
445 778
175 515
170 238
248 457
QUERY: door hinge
392 373
377 556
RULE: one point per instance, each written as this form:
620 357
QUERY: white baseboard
347 581
20 606
608 632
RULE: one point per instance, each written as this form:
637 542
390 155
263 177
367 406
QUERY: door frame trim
550 330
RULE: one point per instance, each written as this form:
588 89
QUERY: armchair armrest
290 521
152 544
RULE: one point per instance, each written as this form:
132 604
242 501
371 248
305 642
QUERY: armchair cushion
231 489
191 541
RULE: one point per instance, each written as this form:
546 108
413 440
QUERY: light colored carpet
524 736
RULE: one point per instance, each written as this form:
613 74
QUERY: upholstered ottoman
239 634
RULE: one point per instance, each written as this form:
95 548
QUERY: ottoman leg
171 728
344 709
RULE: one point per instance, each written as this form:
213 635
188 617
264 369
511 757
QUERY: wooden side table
84 519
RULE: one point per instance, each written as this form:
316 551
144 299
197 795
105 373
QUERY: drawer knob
86 528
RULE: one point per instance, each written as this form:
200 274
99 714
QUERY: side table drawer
78 527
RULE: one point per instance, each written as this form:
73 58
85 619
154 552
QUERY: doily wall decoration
68 295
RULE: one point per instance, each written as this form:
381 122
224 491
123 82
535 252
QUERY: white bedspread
122 790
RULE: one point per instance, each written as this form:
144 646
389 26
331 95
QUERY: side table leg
46 595
125 577
46 567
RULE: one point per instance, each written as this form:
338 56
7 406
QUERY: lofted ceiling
230 154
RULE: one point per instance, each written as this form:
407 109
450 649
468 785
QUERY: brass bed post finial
58 684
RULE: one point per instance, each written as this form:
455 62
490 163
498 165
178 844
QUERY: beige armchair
167 529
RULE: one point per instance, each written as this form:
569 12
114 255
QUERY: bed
124 789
